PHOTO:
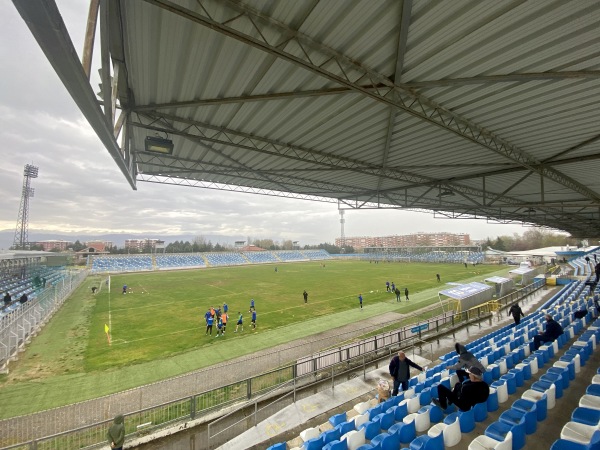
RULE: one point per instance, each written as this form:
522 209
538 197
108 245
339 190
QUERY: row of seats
122 263
428 257
583 431
509 352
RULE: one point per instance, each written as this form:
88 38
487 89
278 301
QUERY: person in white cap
465 395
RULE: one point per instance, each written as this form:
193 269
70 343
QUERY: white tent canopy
468 295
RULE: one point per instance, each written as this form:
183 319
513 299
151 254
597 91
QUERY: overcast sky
81 190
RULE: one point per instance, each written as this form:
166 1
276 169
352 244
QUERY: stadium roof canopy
469 108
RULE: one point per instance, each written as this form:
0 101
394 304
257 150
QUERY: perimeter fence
17 328
201 394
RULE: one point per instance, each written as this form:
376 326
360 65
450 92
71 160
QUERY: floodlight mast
21 241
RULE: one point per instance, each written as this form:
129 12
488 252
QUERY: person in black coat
516 311
553 330
465 395
400 371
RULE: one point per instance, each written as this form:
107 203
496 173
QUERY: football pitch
157 329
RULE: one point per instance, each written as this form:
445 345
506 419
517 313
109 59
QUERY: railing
18 327
288 383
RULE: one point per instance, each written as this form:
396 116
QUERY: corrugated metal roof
471 107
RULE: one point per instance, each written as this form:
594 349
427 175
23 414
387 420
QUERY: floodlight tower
21 239
342 234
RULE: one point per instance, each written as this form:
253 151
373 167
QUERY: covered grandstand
468 109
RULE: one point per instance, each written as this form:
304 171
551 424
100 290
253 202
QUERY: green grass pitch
158 329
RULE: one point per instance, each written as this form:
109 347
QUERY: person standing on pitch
397 292
400 371
438 277
387 286
251 303
253 319
224 318
239 322
406 294
305 295
360 300
209 324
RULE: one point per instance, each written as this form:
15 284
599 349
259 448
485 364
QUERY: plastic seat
345 427
576 358
586 416
563 372
375 410
516 420
362 407
359 420
450 431
412 404
578 432
336 419
495 369
372 429
548 388
330 436
433 440
590 401
278 446
400 412
405 430
422 422
569 365
379 440
313 444
435 413
309 433
386 420
492 400
541 402
593 389
425 397
354 439
501 390
480 412
335 445
511 382
529 409
563 444
556 380
519 375
465 418
487 443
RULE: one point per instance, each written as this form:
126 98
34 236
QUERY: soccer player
219 327
124 289
209 325
406 293
360 300
305 295
393 287
239 322
224 318
254 319
387 286
251 303
438 277
225 307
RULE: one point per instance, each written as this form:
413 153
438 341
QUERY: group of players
219 318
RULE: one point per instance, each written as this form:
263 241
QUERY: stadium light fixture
446 193
157 144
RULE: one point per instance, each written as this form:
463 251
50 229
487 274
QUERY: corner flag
106 328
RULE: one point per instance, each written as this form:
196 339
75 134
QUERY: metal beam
510 78
350 73
46 25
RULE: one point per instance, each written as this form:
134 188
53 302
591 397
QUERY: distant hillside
118 239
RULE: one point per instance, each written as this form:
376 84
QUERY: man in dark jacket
465 395
400 371
553 330
116 433
465 359
516 311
